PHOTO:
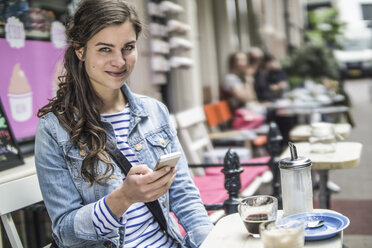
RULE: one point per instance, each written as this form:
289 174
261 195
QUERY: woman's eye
105 49
128 48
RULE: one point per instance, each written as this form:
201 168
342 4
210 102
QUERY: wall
140 80
207 51
186 87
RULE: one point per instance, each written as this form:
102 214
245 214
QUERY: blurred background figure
270 80
255 58
238 88
256 70
276 78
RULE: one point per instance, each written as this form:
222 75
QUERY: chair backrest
193 133
19 188
212 117
223 110
218 115
14 196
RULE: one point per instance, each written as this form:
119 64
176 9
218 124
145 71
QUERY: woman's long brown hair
76 104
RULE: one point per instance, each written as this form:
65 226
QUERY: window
367 11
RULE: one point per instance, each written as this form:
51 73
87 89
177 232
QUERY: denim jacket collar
136 106
137 109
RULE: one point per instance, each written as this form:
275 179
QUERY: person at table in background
256 70
276 78
259 71
90 202
237 87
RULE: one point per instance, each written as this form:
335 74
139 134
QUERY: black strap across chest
125 166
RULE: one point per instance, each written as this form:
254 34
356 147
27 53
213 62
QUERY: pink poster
28 80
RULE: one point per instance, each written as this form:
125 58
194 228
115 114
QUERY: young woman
90 201
238 86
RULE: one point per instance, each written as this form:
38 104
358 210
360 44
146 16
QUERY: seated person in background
275 76
237 87
241 94
256 70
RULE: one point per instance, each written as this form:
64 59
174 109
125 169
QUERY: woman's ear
79 53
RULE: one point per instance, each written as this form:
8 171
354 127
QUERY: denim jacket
69 198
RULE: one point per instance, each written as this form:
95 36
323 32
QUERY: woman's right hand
140 185
144 185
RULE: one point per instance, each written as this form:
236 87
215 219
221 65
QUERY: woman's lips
116 74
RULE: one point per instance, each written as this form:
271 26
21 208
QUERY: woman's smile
117 74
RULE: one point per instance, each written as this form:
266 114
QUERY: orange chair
220 133
225 118
224 111
211 114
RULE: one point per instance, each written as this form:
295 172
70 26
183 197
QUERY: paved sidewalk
356 184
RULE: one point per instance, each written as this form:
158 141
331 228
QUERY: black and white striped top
142 229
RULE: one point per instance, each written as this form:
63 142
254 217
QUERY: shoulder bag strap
125 166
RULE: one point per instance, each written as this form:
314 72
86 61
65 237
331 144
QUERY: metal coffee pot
297 188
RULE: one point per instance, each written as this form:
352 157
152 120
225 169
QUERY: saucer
334 223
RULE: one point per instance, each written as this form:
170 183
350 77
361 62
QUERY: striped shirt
142 229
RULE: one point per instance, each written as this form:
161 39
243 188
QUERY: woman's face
110 56
241 62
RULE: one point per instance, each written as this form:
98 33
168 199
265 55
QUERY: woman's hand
140 185
144 185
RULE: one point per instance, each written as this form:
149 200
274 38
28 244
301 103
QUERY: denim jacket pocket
156 143
160 139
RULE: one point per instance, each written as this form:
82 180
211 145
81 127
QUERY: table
20 187
231 232
346 156
303 132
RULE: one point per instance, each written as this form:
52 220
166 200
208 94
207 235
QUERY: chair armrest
221 165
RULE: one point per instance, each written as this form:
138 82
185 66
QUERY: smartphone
170 160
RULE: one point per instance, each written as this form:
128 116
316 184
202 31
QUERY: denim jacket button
83 153
138 147
162 141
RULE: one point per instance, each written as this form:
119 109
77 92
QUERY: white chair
193 133
198 147
19 188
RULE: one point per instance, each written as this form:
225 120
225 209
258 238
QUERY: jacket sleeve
186 203
72 222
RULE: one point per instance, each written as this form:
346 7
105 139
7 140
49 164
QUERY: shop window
36 15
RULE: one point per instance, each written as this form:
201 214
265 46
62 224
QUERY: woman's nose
118 60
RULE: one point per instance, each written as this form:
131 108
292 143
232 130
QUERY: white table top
20 171
346 156
230 232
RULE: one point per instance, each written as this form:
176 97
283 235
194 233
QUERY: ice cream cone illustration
20 95
57 73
